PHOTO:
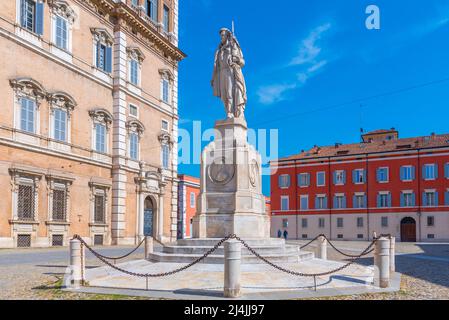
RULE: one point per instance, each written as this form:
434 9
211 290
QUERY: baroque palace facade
383 184
88 128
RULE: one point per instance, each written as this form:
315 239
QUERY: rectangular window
165 156
27 14
100 138
407 173
61 33
133 111
60 124
430 198
164 125
27 115
134 146
166 20
407 199
430 221
304 223
384 200
134 72
446 170
285 223
99 209
382 175
321 223
284 203
57 240
339 202
304 236
304 179
165 90
359 201
339 177
104 57
358 176
320 178
284 181
339 222
384 222
98 240
360 222
192 199
59 208
339 236
430 236
430 171
304 202
360 236
23 240
321 202
25 202
152 9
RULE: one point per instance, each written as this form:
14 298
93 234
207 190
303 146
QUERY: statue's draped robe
228 82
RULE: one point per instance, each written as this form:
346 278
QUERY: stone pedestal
231 199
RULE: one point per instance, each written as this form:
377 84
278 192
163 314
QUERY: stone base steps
189 250
219 259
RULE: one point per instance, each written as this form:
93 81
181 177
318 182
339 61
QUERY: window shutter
402 174
424 199
413 172
335 202
436 170
364 201
436 198
288 181
344 202
389 200
402 202
316 203
378 175
344 177
335 177
308 179
98 48
354 202
39 18
446 170
378 200
413 199
354 176
108 59
446 198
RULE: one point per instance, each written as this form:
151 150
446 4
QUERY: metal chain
346 254
308 243
124 256
354 259
154 275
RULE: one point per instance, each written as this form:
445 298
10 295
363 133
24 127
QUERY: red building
188 191
383 184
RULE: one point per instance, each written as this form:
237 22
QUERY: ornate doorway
408 230
148 217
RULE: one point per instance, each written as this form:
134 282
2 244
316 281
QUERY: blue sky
314 72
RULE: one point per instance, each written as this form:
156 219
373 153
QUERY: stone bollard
232 260
322 248
382 261
392 254
148 246
75 263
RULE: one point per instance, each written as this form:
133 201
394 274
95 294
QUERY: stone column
160 218
392 254
148 246
75 263
322 248
382 261
119 135
233 254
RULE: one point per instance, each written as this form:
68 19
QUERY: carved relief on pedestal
221 173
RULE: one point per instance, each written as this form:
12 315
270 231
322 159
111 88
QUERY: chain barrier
156 240
308 243
335 248
154 275
301 274
124 256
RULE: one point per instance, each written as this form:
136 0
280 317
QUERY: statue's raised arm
227 81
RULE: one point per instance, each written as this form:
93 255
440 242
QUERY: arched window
101 122
135 130
63 18
61 108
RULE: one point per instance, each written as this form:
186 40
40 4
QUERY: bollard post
75 263
148 246
392 254
322 248
232 260
382 259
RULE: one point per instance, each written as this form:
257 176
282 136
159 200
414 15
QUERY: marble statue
227 81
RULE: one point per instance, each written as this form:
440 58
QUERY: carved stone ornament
220 172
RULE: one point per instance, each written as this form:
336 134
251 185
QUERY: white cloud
274 93
309 50
307 60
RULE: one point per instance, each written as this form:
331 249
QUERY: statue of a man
227 80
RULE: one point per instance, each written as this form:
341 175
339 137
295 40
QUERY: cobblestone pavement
423 277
